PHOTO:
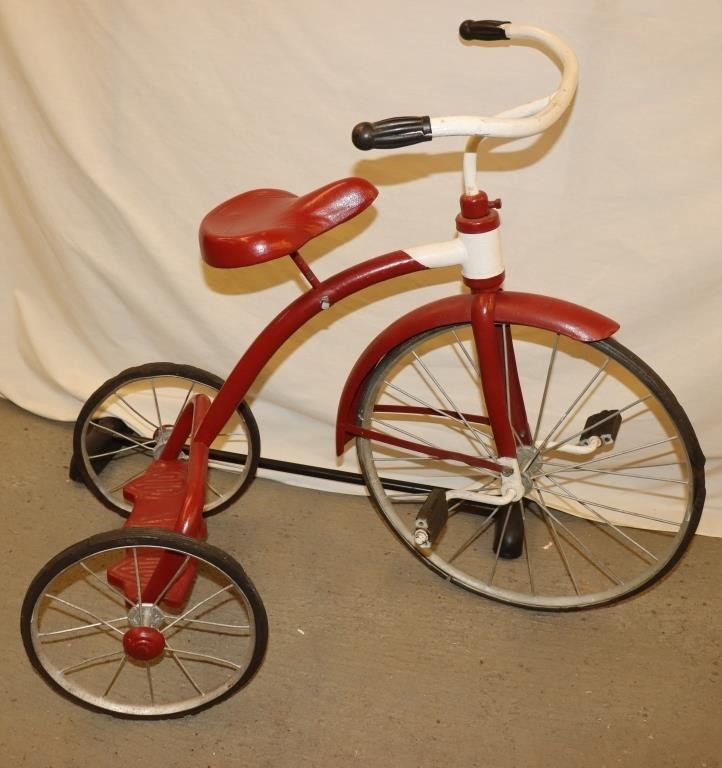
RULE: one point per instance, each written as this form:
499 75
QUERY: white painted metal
479 255
472 146
525 120
576 449
483 255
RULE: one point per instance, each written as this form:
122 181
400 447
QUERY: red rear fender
520 308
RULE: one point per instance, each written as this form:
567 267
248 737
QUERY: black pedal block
604 425
431 519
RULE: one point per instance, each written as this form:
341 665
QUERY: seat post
305 270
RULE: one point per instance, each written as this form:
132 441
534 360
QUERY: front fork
501 388
507 416
510 429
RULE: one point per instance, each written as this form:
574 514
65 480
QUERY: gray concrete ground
373 660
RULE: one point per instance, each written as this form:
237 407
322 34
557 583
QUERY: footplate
158 497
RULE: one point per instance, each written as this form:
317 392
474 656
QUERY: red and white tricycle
507 439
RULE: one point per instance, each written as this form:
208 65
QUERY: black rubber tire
619 354
80 465
144 537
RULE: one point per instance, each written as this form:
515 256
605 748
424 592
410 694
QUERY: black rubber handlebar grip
483 30
391 133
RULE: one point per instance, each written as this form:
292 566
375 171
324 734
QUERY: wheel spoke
547 381
462 419
150 683
187 397
445 396
157 405
184 670
136 573
558 544
527 552
81 628
564 469
465 353
588 504
172 580
574 403
114 432
91 661
92 615
134 410
115 677
626 452
245 629
129 450
204 657
479 532
581 546
196 607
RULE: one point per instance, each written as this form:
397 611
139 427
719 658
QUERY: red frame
487 307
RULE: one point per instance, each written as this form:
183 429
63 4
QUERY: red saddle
265 224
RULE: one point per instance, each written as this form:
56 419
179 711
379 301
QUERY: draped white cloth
122 122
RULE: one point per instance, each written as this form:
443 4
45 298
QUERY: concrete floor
372 659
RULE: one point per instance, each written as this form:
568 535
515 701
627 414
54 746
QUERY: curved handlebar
524 120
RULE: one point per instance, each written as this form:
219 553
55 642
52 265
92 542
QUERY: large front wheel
596 523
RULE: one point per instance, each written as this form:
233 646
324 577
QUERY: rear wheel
100 646
125 423
595 525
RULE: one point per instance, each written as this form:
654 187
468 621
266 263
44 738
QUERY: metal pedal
431 519
604 425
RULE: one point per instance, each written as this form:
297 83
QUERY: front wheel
87 632
595 525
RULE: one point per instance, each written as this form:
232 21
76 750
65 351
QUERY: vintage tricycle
508 441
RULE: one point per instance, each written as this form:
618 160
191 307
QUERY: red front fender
511 307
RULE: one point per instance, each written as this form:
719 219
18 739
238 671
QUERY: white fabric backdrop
123 122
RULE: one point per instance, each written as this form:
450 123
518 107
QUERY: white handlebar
526 119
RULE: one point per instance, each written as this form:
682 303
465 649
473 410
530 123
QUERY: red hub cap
143 643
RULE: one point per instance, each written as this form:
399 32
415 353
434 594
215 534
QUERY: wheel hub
529 464
146 615
161 436
143 643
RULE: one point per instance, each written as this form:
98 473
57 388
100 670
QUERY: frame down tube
288 321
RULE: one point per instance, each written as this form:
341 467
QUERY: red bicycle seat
264 224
